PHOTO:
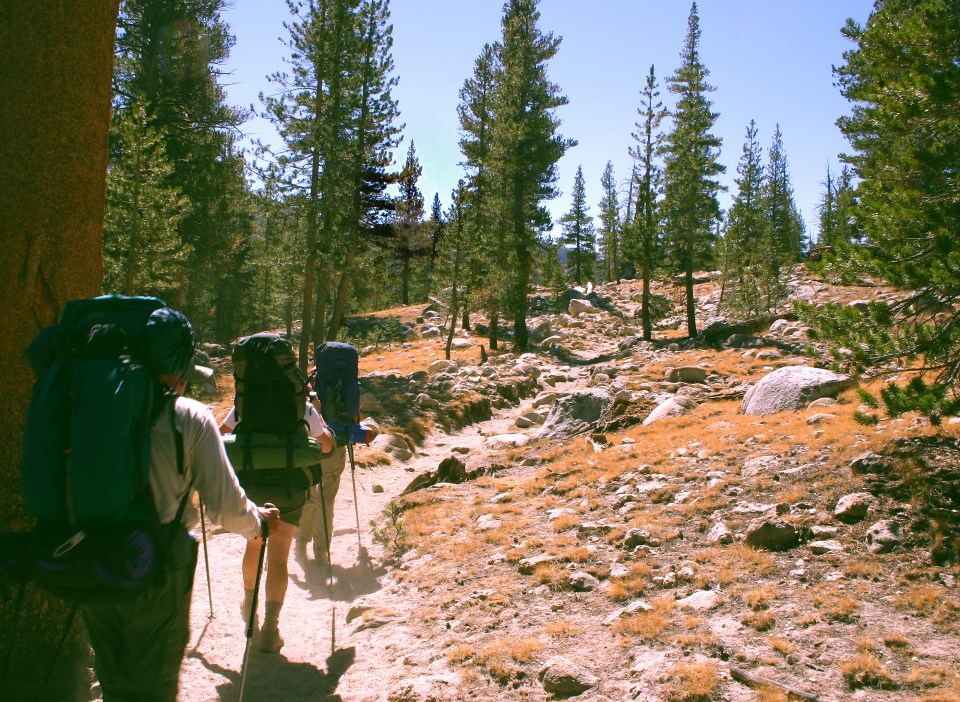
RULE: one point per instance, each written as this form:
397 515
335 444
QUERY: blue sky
770 61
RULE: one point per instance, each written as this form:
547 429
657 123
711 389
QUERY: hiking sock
246 605
270 639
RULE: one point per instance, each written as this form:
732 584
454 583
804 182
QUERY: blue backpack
336 382
86 450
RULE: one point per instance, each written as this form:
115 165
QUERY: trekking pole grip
264 528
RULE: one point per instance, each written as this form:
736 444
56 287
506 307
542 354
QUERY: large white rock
793 388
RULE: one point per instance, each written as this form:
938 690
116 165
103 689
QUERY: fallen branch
746 678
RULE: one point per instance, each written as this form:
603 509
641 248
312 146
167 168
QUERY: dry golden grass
865 570
923 677
696 641
835 605
631 586
768 693
647 626
565 522
497 655
761 621
370 458
866 670
460 653
940 697
552 575
921 600
562 629
693 682
760 597
748 561
783 646
896 641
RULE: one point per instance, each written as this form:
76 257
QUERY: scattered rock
582 581
686 374
702 600
720 534
792 388
772 534
561 676
884 536
853 508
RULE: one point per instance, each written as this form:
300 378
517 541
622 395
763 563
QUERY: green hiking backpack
270 447
86 450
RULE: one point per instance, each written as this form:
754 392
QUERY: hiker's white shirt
315 423
205 465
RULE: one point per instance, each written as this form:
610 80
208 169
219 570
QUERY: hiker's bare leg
278 553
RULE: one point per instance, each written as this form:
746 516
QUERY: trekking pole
253 609
356 507
326 538
206 559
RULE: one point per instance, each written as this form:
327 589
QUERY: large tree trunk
57 60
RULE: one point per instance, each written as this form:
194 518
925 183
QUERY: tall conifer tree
525 149
611 226
902 78
643 241
168 58
690 205
578 233
409 242
476 118
743 250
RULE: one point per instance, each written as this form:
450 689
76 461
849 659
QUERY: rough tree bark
57 59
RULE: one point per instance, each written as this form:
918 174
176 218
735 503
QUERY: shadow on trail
273 677
362 578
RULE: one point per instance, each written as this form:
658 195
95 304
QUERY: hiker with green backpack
274 435
113 454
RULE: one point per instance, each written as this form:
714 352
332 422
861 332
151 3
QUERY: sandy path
365 661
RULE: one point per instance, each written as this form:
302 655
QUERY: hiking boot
270 640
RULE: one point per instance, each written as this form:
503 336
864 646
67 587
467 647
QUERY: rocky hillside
666 520
605 518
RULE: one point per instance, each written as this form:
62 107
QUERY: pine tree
335 113
902 78
525 148
143 251
642 242
476 117
785 231
435 228
168 54
375 134
837 208
690 205
408 237
745 233
610 225
578 234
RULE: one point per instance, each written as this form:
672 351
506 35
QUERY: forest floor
492 585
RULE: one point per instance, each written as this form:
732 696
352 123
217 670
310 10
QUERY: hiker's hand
271 515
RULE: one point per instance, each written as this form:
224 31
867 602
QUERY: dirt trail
365 660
